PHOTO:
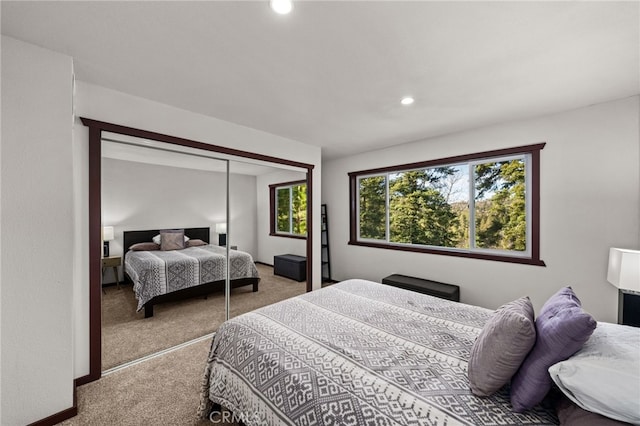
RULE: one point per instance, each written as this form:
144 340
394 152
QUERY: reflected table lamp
221 230
107 235
624 273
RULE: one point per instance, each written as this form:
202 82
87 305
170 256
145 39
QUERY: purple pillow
562 328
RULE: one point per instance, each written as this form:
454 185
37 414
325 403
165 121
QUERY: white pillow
604 376
156 239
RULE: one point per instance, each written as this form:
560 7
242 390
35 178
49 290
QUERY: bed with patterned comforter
355 353
157 272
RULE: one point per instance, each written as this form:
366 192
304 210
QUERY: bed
355 353
165 276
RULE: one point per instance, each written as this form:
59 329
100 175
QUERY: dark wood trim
295 182
272 210
278 234
174 140
310 230
535 204
84 380
95 249
353 208
63 415
453 160
533 259
471 255
95 254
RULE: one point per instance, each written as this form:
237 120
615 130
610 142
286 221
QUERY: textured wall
590 197
37 233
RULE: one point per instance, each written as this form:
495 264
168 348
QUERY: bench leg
255 287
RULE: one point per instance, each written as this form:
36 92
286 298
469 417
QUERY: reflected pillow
145 247
562 327
195 243
158 238
172 239
502 345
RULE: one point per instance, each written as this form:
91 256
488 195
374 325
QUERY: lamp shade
624 269
107 233
221 228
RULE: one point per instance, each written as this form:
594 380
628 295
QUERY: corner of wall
36 196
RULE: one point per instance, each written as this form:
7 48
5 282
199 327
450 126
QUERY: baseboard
85 379
263 263
61 416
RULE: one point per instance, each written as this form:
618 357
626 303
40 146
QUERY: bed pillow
195 243
502 345
562 327
158 239
172 239
145 247
604 376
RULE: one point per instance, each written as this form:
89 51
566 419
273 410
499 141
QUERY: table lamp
107 235
624 273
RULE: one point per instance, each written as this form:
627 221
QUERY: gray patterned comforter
354 353
160 272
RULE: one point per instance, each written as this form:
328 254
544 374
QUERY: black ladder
324 239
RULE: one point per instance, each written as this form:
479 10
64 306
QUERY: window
289 209
483 205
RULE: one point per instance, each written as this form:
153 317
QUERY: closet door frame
95 220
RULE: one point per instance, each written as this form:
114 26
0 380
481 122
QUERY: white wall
590 198
103 104
269 246
0 230
138 196
37 225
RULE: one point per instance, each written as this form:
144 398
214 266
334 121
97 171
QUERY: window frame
273 205
531 256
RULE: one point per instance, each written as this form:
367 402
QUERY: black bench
420 285
290 266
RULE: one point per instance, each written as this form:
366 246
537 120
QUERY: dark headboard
133 237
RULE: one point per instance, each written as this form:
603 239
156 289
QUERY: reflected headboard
133 237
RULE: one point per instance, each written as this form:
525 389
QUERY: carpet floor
127 335
161 391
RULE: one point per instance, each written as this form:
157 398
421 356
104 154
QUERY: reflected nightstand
112 262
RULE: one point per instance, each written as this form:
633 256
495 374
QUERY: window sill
470 255
297 237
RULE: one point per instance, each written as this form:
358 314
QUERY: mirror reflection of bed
144 191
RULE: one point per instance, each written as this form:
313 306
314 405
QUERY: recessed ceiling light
407 100
281 6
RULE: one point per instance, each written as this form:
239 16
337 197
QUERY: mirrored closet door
164 275
184 235
254 215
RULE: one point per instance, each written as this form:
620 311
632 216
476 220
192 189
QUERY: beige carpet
160 391
127 335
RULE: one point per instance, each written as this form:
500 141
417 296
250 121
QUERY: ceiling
332 73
